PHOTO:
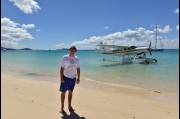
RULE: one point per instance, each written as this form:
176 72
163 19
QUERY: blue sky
58 24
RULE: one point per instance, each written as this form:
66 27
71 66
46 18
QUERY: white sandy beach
23 98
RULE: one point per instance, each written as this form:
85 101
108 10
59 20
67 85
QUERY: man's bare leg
69 100
63 94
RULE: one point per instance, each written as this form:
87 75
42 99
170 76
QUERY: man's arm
78 73
61 74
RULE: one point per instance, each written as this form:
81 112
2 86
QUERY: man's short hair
73 47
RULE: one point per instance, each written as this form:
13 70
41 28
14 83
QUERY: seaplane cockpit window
132 47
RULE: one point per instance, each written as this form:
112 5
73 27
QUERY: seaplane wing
112 46
121 50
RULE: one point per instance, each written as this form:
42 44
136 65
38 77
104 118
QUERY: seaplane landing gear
155 60
146 61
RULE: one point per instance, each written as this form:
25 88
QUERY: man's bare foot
61 110
71 109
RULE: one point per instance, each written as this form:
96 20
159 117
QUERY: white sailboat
156 40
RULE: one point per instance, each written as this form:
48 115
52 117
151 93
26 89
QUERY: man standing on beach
69 71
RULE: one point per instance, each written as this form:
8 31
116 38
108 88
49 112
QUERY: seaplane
127 54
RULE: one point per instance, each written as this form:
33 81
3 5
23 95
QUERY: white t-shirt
70 65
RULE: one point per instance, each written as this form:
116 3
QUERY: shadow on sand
72 115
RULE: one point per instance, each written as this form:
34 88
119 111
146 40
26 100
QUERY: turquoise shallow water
163 75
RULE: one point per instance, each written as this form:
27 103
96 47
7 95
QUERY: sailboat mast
156 37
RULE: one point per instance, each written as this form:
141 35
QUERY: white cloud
138 37
106 27
7 22
28 26
177 27
171 43
27 6
12 33
125 37
61 45
177 11
166 29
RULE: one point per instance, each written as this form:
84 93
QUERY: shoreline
55 78
41 99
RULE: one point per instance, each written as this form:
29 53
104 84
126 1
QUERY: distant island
4 49
25 49
63 49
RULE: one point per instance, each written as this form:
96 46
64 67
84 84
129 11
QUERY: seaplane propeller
150 49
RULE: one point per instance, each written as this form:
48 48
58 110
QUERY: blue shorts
68 84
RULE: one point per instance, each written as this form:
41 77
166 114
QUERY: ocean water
163 75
